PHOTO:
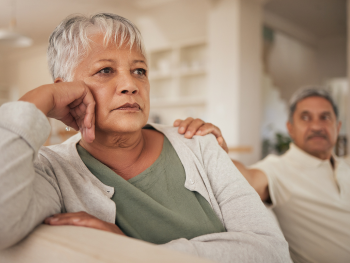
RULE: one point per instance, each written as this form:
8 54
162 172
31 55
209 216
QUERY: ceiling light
13 39
8 37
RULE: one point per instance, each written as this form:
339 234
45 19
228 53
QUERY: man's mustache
317 134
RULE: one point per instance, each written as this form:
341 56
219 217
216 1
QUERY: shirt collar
304 158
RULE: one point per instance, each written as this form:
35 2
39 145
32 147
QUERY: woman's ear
58 80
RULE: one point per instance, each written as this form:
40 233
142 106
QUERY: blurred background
234 63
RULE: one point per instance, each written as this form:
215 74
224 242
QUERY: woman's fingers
82 109
70 121
77 219
89 102
88 134
82 219
88 122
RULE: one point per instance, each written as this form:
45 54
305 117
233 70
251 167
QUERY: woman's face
118 80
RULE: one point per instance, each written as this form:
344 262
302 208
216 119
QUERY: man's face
315 127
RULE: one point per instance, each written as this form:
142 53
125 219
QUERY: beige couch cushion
79 244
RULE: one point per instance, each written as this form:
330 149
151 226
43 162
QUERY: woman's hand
82 219
191 127
70 102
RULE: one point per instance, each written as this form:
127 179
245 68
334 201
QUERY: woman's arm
28 194
26 197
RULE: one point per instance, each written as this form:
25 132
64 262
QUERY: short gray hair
69 42
307 92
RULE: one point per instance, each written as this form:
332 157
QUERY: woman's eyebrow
105 59
139 61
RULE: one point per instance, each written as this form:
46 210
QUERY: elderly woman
118 175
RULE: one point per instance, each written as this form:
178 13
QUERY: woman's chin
128 124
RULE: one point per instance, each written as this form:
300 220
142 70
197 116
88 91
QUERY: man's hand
82 219
70 102
191 127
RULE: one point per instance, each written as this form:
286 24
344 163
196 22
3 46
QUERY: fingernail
188 133
198 132
182 129
53 219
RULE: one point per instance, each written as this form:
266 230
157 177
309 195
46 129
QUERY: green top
154 205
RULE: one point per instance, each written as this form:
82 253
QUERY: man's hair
307 92
70 41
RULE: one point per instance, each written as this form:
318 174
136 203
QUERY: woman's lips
129 107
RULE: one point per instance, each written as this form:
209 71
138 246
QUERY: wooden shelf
240 149
178 79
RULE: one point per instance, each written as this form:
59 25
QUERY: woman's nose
126 85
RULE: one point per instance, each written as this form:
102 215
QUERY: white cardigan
37 183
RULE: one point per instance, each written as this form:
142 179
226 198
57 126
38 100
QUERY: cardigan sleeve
251 234
26 196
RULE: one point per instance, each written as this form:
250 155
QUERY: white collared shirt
312 203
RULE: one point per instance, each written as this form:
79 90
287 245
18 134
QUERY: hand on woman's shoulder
191 127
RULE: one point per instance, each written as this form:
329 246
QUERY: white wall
3 86
27 69
234 97
174 22
2 71
250 99
348 73
332 58
223 56
292 64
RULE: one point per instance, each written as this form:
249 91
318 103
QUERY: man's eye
140 72
106 71
305 117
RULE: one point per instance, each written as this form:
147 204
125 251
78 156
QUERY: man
308 187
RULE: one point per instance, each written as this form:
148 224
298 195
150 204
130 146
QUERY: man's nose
316 124
126 84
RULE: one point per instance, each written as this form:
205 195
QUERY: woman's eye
106 71
140 72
